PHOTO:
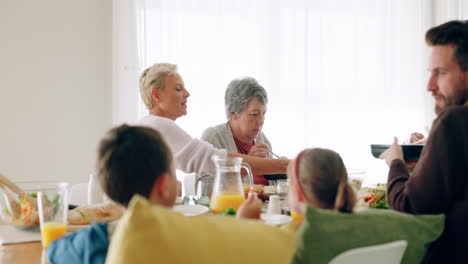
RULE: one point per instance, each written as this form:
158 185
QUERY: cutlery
9 184
271 152
418 142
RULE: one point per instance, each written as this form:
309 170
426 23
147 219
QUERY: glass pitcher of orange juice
228 187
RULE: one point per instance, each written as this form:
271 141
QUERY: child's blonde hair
321 176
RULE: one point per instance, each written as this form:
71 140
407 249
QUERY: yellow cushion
153 234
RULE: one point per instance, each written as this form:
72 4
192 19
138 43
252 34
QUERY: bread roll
87 214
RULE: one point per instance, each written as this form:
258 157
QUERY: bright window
340 74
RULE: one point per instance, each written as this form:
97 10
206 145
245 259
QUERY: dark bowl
410 152
274 177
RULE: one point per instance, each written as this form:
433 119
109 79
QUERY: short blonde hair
153 78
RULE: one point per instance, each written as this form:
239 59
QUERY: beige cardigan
220 137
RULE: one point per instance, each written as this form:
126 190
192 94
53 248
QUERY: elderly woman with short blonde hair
164 93
246 105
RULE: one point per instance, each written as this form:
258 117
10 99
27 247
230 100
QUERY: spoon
17 190
9 184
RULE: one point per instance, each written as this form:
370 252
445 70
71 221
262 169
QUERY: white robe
191 155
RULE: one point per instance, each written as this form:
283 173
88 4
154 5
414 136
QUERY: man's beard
463 99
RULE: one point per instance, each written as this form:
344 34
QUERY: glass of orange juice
53 208
297 218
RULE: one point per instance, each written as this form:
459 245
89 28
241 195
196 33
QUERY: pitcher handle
249 173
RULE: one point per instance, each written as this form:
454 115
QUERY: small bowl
20 213
411 153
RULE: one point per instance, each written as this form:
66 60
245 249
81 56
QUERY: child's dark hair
323 178
130 160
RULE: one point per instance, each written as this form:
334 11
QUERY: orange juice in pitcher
222 202
228 188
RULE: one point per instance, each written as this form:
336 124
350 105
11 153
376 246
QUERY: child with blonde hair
318 177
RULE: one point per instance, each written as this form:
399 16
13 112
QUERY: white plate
191 210
275 219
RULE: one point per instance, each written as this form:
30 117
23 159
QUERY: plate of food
410 152
275 219
258 188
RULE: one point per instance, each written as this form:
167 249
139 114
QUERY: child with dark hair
136 160
131 160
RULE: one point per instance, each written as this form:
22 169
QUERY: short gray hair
153 78
239 93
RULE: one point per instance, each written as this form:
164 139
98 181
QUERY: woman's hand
260 150
250 208
393 153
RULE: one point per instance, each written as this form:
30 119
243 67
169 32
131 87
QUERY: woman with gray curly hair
246 105
164 93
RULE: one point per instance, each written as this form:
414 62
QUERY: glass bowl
356 178
22 212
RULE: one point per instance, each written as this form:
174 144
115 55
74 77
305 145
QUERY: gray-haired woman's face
250 121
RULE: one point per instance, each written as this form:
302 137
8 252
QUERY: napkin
11 235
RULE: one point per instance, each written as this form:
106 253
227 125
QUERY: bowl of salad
374 197
22 211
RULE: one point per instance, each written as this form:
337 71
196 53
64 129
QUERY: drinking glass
53 208
282 188
282 191
355 178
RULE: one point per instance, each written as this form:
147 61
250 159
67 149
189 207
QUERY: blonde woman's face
172 97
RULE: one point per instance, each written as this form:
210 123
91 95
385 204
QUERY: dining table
22 253
27 253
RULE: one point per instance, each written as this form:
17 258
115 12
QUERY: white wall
55 87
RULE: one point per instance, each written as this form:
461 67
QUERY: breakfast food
374 197
258 188
86 214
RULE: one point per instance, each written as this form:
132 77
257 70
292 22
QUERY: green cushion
326 233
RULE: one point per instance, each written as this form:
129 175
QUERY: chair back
79 194
389 253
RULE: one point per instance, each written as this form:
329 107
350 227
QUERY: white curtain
340 74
